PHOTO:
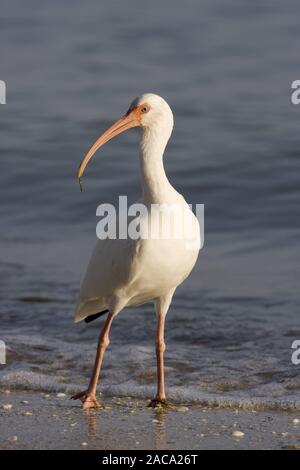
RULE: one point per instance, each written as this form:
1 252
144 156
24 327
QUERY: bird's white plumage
126 272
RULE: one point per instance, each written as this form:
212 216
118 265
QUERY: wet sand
51 421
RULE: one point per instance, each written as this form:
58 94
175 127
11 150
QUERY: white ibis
131 272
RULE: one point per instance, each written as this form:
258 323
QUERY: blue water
226 70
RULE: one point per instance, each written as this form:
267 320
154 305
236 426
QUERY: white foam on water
28 380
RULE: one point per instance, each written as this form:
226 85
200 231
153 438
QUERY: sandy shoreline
42 421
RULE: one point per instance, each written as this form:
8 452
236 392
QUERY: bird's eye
144 109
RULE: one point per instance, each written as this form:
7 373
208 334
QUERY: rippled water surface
226 69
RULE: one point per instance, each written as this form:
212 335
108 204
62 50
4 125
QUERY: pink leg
160 349
162 306
88 397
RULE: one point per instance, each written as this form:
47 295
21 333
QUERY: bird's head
148 111
151 111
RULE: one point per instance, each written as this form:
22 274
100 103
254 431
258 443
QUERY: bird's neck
155 183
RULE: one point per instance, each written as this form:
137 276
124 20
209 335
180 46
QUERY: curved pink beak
130 119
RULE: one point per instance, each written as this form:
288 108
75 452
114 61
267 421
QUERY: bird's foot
88 399
159 403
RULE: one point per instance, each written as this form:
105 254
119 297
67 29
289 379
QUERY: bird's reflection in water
91 417
160 429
